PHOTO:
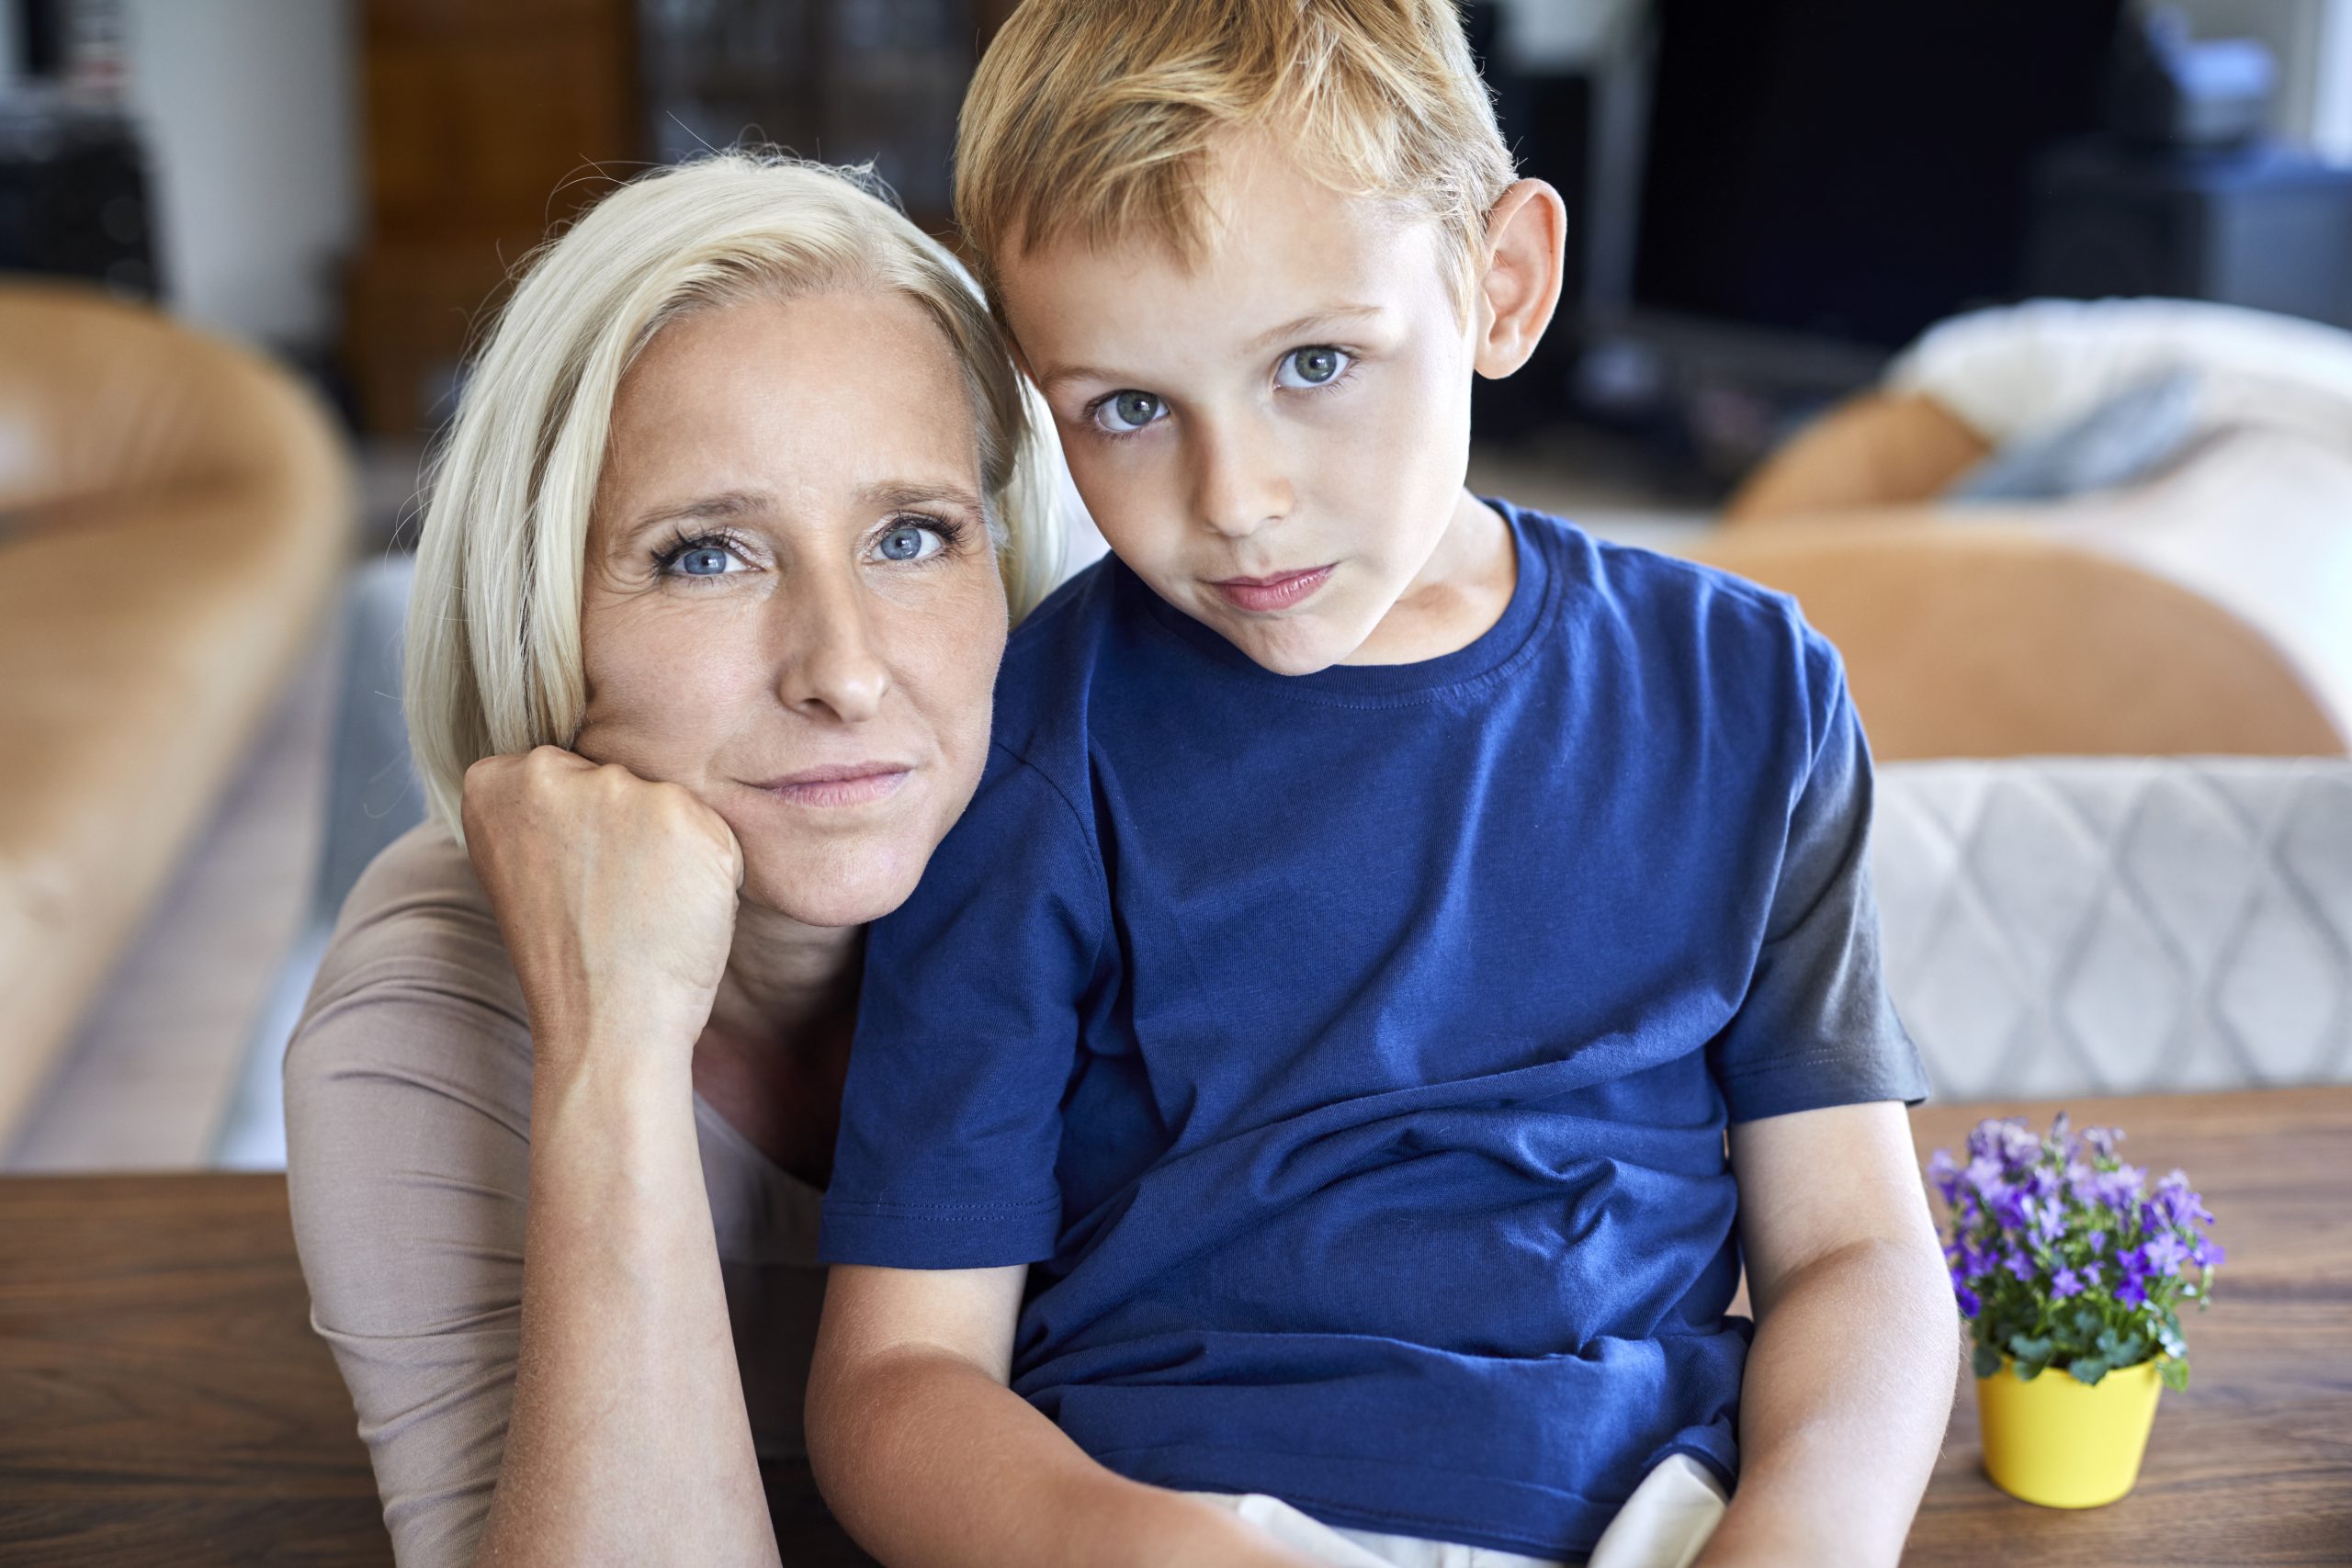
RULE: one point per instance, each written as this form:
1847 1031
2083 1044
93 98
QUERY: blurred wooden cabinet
486 123
490 121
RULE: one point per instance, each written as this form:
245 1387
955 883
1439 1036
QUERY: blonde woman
718 570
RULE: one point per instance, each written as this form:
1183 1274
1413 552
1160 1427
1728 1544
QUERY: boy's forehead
1273 243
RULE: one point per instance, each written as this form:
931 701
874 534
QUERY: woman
709 600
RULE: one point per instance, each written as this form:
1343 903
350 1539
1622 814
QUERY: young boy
1288 1122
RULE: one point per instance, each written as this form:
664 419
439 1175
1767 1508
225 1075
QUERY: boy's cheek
1138 507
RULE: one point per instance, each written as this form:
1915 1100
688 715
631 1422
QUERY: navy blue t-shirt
1351 1052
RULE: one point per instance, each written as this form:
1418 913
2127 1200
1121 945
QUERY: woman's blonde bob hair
494 656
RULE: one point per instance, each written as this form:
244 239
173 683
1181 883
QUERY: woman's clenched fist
615 895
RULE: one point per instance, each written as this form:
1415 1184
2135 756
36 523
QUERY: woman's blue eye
1316 367
905 542
1122 411
702 561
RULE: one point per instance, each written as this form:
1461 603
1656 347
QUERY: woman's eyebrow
717 508
890 495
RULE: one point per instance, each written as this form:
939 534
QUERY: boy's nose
1241 484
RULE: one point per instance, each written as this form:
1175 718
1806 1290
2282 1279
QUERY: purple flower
2132 1289
2177 1203
2165 1252
2009 1210
2207 1252
2046 1220
2017 1263
1969 1303
2065 1283
2120 1188
2102 1140
2097 1240
2082 1182
1944 1171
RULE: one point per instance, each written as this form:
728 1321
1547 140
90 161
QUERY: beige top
408 1115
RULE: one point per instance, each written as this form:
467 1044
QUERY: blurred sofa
175 516
2122 527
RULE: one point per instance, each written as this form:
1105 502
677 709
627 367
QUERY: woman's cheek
661 705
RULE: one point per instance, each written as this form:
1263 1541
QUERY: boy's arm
927 1457
1850 1381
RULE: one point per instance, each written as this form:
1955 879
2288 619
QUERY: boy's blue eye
1318 365
908 542
1122 411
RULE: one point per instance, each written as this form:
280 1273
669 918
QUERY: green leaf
2025 1347
2027 1371
2087 1323
2173 1372
1986 1360
2088 1370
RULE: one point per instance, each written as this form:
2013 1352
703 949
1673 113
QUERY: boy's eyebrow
1313 319
1296 327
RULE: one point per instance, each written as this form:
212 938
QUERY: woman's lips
1259 594
846 783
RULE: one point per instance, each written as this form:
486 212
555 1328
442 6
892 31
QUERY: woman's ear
1527 234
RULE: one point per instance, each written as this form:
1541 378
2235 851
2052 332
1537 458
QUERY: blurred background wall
1798 341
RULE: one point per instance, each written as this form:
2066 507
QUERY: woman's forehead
831 392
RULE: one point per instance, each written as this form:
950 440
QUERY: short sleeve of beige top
408 1111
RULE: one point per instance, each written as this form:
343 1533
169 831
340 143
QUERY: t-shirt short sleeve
966 1037
1816 1027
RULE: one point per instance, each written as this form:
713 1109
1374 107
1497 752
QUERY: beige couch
175 513
2205 607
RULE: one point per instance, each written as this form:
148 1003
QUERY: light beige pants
1662 1525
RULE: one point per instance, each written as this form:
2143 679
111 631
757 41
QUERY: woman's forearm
629 1440
1848 1389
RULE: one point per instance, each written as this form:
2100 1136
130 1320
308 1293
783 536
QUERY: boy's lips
1256 595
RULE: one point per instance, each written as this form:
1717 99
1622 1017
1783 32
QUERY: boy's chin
1300 647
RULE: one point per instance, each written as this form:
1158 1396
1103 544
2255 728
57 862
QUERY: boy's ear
1527 234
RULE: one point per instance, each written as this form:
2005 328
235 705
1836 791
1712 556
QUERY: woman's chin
836 887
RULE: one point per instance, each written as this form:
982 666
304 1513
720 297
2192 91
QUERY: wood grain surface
163 1401
2252 1463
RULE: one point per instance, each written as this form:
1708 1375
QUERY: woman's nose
1240 485
830 662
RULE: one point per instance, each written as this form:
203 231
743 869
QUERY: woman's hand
629 1440
616 897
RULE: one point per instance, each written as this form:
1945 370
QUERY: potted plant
2070 1274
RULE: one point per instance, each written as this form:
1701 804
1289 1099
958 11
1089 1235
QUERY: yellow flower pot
2065 1444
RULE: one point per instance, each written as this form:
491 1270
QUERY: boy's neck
1457 597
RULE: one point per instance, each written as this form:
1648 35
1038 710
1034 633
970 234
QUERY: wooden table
2252 1463
162 1400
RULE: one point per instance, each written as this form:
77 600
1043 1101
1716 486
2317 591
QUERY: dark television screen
1854 168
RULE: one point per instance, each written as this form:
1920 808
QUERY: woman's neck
782 977
771 1059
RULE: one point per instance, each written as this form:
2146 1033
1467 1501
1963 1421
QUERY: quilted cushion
2119 925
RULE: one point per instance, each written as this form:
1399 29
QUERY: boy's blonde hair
1099 117
493 654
